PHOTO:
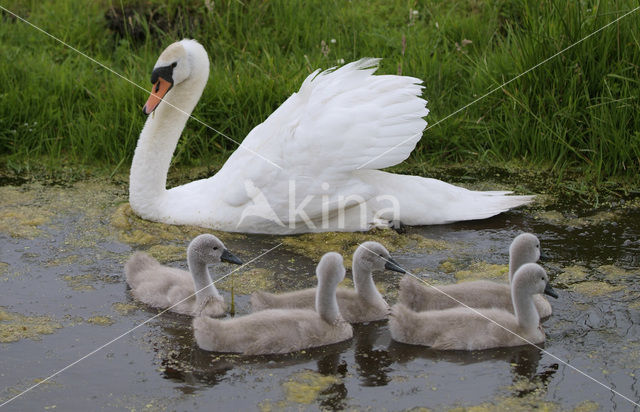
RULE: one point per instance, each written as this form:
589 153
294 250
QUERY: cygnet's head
209 249
533 279
330 269
526 247
177 63
373 256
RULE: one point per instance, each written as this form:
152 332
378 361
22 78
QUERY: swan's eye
174 64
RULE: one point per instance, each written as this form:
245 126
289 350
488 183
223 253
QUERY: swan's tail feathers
138 263
424 201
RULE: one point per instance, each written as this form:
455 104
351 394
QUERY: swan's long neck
524 308
515 261
202 280
326 302
363 282
157 142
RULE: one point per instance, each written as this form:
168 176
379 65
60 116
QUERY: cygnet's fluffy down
275 331
461 328
364 303
164 287
525 248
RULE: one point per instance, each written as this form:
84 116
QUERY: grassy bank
576 113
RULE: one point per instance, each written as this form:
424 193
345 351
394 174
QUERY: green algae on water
15 327
314 245
305 387
249 281
482 271
101 320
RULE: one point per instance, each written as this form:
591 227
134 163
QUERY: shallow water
62 251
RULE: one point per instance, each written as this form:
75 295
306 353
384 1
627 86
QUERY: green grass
578 112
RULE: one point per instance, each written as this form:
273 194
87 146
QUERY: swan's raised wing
339 121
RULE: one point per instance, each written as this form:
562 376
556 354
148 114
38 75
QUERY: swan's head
526 247
533 279
373 256
209 249
177 63
330 270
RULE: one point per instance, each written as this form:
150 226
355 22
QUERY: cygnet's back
461 328
525 248
166 287
282 330
362 304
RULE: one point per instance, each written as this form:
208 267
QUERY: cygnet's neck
516 259
326 302
202 280
524 307
363 282
157 142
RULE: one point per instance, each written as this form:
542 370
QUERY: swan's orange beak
160 88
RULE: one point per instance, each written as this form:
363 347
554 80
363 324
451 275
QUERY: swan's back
477 294
298 299
458 328
163 287
139 267
269 332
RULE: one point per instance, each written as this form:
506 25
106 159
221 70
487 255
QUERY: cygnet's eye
215 248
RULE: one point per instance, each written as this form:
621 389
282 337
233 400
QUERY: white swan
525 248
462 329
310 166
282 330
364 303
162 286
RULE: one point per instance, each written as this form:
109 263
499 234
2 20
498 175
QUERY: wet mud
62 250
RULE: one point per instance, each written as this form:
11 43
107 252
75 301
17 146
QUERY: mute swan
362 304
309 167
162 286
282 330
525 248
462 329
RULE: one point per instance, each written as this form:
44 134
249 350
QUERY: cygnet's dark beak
543 256
392 265
548 290
229 257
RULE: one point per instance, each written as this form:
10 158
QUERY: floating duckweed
557 218
101 320
483 270
136 231
304 387
587 406
168 253
314 245
614 273
80 282
572 274
23 221
15 327
595 288
124 308
249 281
